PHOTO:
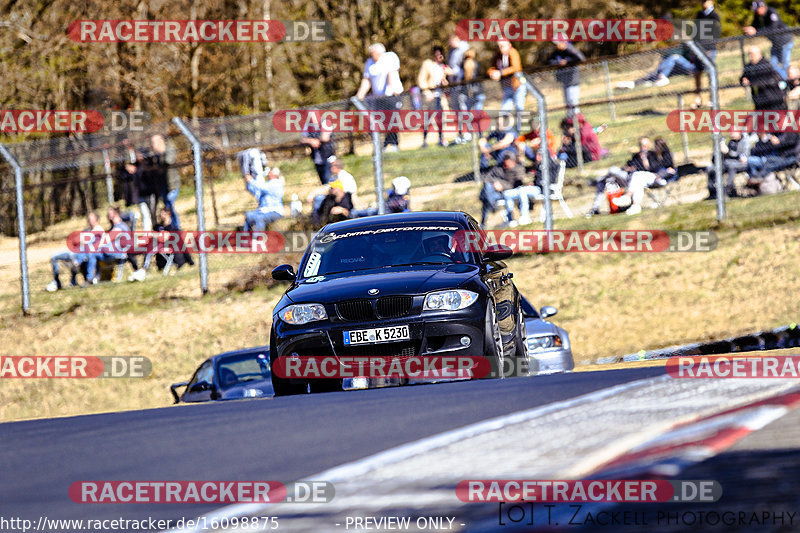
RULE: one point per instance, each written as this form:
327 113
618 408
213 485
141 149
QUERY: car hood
409 280
249 389
537 327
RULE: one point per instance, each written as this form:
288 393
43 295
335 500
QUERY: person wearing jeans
507 69
269 195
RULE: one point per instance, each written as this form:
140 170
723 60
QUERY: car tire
493 343
326 385
521 361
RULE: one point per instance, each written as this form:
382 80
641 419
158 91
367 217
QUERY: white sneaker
524 221
622 201
52 286
391 148
513 224
634 210
466 137
139 275
661 81
626 85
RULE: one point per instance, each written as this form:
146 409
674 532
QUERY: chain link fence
621 99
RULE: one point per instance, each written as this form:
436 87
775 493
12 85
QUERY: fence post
544 152
684 134
23 237
377 160
609 93
197 151
715 136
476 159
109 182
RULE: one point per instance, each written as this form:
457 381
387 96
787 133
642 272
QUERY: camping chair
556 192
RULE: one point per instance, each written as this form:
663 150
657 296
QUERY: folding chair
556 192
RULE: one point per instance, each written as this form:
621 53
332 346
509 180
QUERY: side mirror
497 252
174 390
201 386
547 310
284 273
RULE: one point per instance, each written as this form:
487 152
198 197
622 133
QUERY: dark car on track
229 376
397 285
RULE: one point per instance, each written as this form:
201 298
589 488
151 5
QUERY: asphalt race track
282 439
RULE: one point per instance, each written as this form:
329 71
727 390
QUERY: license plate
372 336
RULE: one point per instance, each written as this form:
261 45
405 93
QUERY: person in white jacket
382 77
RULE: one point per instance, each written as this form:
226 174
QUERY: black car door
497 277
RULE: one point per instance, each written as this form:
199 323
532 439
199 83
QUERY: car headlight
303 313
544 343
449 300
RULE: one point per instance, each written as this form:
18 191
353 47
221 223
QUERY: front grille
356 310
394 306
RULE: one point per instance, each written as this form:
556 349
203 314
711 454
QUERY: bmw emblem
373 292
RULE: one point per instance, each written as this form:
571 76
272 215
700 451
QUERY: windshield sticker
315 279
312 267
330 237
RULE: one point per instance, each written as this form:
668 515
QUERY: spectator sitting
615 176
528 143
766 85
73 259
523 194
592 150
336 205
567 56
93 258
397 199
683 62
771 154
767 22
430 79
165 223
269 195
643 168
503 177
734 160
666 167
497 143
337 174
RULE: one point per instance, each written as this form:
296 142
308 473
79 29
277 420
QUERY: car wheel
521 359
493 343
326 385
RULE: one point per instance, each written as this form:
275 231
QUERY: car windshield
237 369
382 247
528 310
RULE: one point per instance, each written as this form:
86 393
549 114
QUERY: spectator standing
566 56
382 77
430 79
167 177
766 85
707 14
319 140
458 94
767 22
505 68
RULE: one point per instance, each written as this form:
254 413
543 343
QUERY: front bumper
553 360
431 334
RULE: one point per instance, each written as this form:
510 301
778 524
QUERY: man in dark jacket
775 153
765 84
498 180
567 56
767 22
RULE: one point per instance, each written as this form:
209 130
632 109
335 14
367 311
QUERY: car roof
244 351
412 217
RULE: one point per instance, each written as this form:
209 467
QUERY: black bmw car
397 285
